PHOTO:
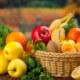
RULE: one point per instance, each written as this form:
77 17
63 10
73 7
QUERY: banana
68 19
56 23
62 31
58 32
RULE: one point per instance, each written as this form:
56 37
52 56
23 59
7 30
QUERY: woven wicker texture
58 64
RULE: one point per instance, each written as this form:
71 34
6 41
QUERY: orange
68 47
17 36
77 46
78 40
74 34
1 51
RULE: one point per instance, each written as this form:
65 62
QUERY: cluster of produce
62 36
18 54
12 52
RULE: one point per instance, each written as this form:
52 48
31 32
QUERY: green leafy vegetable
39 46
29 42
42 46
4 31
31 62
23 77
69 26
36 72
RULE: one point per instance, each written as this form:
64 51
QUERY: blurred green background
33 3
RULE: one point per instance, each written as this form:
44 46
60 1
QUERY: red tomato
74 34
28 48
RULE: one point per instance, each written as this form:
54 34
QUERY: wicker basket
58 64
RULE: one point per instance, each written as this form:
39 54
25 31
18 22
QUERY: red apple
41 33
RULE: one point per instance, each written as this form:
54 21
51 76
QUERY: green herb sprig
69 26
4 31
35 71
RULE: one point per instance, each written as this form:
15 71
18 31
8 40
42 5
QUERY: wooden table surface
7 77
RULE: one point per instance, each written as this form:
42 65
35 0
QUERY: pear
55 35
58 35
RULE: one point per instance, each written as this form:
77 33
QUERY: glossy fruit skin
28 48
3 63
1 51
13 50
42 33
65 41
17 36
74 34
17 68
78 40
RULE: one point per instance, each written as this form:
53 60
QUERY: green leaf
24 77
34 48
31 62
51 78
38 63
30 74
42 74
29 42
4 31
42 46
36 70
38 47
69 26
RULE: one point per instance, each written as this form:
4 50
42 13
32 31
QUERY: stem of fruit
64 18
69 17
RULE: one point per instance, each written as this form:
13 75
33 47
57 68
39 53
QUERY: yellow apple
23 56
13 50
17 68
3 64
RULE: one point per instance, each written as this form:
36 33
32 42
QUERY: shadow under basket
58 64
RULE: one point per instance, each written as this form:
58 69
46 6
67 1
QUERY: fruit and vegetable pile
17 54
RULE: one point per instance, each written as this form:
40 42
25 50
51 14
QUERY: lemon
76 73
63 42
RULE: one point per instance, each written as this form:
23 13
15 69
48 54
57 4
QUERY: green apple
3 64
17 68
13 50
